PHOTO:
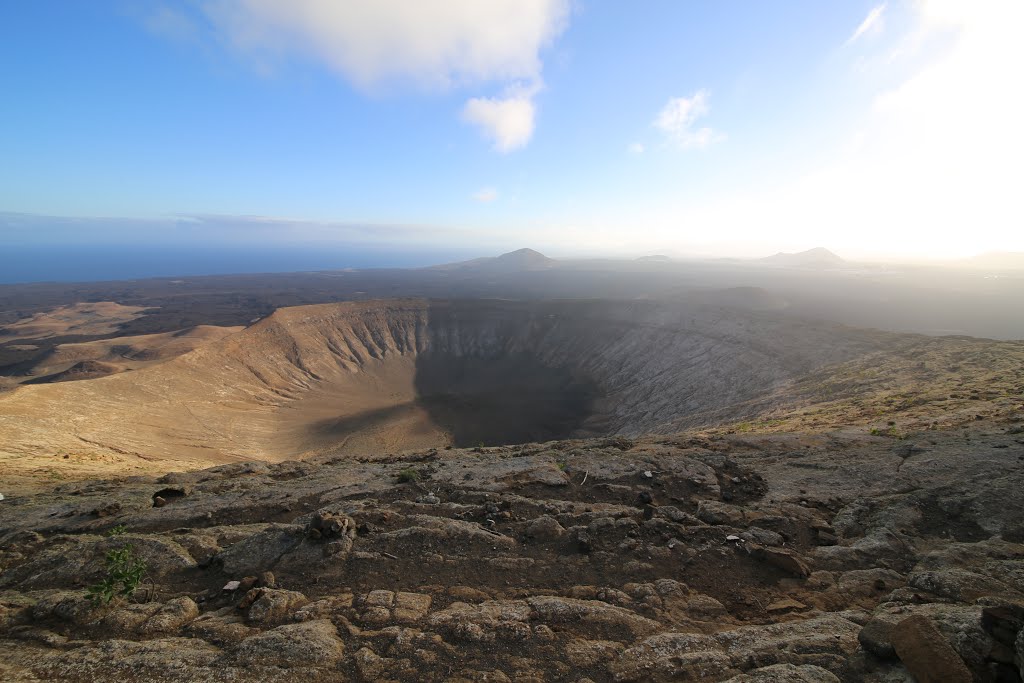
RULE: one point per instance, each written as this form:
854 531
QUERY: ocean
22 264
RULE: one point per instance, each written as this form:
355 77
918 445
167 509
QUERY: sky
876 129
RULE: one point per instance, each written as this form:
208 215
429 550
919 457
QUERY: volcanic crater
396 375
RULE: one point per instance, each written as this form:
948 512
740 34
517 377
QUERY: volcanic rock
926 653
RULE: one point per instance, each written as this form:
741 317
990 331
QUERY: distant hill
513 261
655 258
86 369
819 257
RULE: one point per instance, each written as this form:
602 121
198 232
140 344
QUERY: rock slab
926 653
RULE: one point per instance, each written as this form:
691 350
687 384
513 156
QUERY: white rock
648 474
733 538
232 585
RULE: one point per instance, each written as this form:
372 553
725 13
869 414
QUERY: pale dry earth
84 319
115 354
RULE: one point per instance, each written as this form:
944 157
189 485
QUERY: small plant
117 530
562 465
125 570
408 476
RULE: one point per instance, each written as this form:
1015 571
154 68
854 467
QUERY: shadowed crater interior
502 399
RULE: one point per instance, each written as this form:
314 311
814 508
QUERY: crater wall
389 376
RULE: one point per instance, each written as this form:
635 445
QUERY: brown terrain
87 360
78 319
495 490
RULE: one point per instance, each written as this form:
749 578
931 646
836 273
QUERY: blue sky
578 128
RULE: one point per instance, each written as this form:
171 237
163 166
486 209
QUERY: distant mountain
655 258
819 257
513 261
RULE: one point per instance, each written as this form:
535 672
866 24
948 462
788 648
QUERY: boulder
223 627
273 605
370 665
308 644
704 607
876 638
410 607
926 653
260 551
593 616
719 513
786 560
545 529
171 617
161 555
484 622
756 534
202 547
958 584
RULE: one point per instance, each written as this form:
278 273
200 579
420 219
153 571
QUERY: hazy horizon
879 130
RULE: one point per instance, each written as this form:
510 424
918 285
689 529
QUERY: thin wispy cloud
636 148
678 119
872 24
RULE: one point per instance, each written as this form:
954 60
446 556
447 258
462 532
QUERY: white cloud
872 24
485 195
507 122
433 44
636 148
677 118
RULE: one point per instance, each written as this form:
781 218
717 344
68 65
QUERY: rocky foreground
741 557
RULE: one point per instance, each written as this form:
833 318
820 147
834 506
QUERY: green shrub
408 476
125 570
